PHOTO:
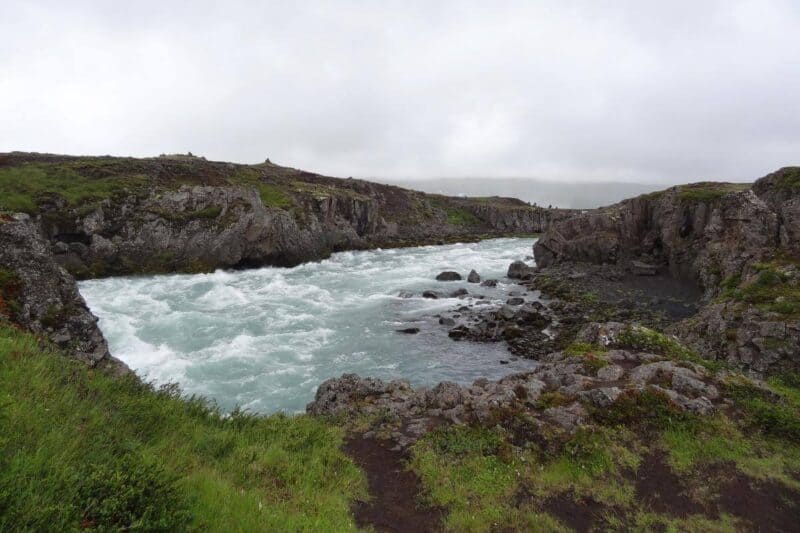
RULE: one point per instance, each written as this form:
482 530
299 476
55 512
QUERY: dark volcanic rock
718 236
187 214
519 270
46 297
473 277
448 276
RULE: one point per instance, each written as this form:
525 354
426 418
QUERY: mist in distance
571 195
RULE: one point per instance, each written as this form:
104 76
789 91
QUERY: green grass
774 411
461 471
273 196
773 288
22 187
10 286
458 216
708 191
589 352
649 340
789 178
80 449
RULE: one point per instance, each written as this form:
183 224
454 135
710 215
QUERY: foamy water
264 339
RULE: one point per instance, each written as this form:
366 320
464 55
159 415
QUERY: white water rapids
263 339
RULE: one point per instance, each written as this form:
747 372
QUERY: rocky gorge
665 329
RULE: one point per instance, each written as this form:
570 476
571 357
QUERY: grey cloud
587 90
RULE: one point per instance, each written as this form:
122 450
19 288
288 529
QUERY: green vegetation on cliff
81 450
773 288
708 191
22 188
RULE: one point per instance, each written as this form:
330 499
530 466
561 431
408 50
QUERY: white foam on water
264 339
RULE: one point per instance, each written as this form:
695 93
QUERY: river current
264 339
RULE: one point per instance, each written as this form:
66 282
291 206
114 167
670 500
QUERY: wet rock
640 268
516 300
410 331
448 276
506 312
519 270
459 292
473 277
489 283
433 295
446 321
458 332
60 247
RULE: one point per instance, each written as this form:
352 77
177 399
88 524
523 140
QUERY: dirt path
394 490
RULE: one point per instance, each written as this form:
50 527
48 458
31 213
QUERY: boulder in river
459 292
473 277
518 270
489 283
433 295
448 275
410 331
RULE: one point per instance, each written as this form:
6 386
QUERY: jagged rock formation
739 244
559 393
39 295
109 216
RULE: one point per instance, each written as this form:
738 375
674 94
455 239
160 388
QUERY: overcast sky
581 90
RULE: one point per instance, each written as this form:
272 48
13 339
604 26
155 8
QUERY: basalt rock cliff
40 296
107 216
738 243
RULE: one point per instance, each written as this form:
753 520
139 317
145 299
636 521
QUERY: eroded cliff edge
110 216
738 243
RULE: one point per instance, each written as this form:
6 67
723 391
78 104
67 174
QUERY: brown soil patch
579 515
661 490
766 505
394 489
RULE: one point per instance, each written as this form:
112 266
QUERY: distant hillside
541 192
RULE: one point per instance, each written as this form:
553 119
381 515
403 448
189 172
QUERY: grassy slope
28 180
79 449
487 480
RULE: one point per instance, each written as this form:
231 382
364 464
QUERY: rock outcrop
39 295
704 232
739 244
188 214
561 392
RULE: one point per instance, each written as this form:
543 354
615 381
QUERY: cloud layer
586 90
